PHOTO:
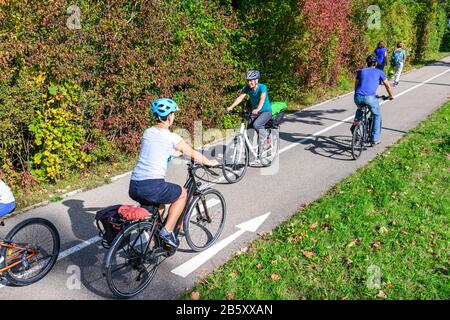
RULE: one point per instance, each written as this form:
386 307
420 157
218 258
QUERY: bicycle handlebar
384 97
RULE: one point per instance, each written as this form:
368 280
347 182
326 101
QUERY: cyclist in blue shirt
381 53
261 107
367 81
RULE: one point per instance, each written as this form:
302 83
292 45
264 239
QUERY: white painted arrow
191 265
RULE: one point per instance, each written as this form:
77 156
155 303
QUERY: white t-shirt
6 195
157 148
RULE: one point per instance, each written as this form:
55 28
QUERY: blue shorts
6 208
154 191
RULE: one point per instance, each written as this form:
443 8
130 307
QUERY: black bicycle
362 130
137 251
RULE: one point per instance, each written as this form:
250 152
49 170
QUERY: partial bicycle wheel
129 266
270 148
357 141
205 219
235 160
34 249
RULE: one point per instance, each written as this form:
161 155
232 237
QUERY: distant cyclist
367 81
261 107
148 185
7 201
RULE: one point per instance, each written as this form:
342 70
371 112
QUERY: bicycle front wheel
357 141
32 251
270 148
235 160
205 220
129 265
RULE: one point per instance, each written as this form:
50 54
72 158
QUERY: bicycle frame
192 187
252 148
366 115
18 255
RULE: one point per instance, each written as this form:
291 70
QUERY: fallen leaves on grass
383 230
229 296
381 294
377 245
308 254
259 266
275 277
347 261
195 295
354 242
313 225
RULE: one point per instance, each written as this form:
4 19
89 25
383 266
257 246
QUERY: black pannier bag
275 122
109 224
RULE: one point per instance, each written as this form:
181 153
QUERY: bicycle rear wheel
34 249
235 160
129 266
357 141
270 149
205 220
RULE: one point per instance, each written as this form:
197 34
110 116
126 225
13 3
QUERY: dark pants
258 123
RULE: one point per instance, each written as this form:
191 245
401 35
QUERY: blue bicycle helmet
163 107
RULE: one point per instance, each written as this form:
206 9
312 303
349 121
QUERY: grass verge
382 233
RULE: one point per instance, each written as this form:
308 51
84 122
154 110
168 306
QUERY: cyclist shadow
90 262
333 147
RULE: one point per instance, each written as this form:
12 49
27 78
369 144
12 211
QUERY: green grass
392 214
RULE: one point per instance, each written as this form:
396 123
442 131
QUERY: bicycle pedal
169 250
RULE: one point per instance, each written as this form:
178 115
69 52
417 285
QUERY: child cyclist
7 201
148 185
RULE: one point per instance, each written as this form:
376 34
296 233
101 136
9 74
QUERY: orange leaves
308 254
354 242
275 277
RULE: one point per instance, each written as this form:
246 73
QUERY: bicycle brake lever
211 172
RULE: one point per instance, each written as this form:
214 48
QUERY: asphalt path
314 155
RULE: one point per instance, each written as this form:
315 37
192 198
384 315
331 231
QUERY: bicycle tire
357 141
37 266
200 233
135 258
231 160
268 156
